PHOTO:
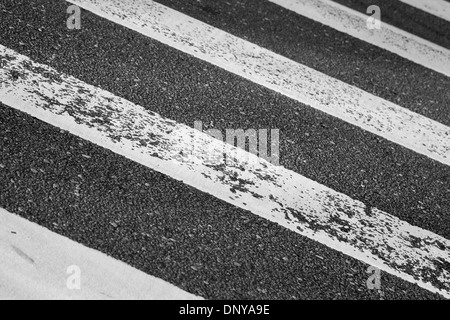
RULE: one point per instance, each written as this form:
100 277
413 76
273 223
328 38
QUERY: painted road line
39 264
390 38
280 74
172 27
244 180
438 8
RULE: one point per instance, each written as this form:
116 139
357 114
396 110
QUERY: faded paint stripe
274 193
389 38
35 263
278 73
438 8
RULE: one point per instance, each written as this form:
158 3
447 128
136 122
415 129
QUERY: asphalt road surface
193 239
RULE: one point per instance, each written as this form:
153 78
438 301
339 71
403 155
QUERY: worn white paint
272 192
438 8
278 73
37 264
390 38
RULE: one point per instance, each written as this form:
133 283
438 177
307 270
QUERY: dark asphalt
329 51
165 228
408 18
219 251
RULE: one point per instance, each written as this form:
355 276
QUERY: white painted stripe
172 27
390 38
37 264
278 73
271 192
438 8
